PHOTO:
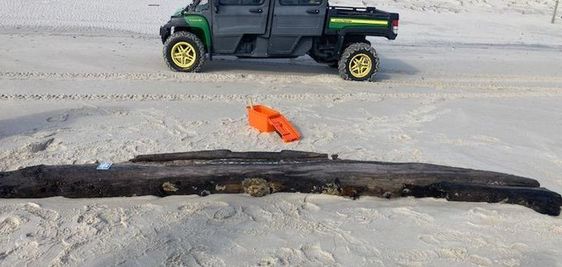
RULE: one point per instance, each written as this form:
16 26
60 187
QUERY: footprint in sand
58 118
484 217
9 225
312 255
480 260
204 257
37 210
268 261
429 239
40 146
418 217
224 213
415 257
453 253
316 253
474 240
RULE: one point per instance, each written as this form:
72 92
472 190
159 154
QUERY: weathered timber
227 154
261 173
537 198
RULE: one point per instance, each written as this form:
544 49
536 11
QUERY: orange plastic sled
269 120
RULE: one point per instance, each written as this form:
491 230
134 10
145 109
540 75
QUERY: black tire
191 39
349 53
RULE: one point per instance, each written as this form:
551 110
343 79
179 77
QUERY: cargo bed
369 20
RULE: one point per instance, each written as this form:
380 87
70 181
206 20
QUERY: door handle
313 11
256 10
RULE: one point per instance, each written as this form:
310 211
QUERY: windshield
198 5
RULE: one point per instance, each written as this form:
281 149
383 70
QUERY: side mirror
216 4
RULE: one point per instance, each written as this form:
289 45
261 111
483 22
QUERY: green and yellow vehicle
332 35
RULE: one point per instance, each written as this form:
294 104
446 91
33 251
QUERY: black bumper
165 32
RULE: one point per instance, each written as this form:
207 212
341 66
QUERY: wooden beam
227 154
262 173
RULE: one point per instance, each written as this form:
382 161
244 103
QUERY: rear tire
185 52
359 62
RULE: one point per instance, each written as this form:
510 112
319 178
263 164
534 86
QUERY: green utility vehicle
332 35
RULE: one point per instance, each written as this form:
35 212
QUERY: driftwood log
262 173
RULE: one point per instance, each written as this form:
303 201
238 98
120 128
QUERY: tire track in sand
472 82
343 97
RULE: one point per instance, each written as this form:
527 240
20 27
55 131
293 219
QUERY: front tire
359 62
184 51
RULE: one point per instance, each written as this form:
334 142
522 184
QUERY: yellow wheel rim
360 65
183 54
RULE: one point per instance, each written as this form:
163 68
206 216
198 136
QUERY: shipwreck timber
262 173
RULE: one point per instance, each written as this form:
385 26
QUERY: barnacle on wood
256 187
332 189
169 187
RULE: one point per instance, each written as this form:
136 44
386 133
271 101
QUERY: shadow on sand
51 120
301 66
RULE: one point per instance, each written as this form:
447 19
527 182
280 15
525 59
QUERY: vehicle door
293 20
299 17
234 18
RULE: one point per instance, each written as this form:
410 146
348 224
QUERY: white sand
468 83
